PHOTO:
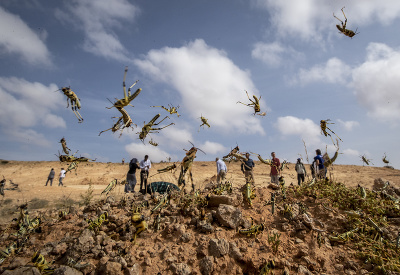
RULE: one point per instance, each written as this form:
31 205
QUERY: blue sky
202 56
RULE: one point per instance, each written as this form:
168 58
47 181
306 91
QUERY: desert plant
37 203
87 197
65 202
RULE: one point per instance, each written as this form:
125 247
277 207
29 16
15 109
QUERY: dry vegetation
310 231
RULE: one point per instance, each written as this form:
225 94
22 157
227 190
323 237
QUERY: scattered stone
218 247
206 265
180 269
234 252
60 249
112 268
216 200
229 216
134 270
66 270
22 270
205 227
303 270
17 262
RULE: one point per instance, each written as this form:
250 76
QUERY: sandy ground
31 177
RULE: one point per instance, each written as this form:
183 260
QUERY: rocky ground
203 233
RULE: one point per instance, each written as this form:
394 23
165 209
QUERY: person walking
131 176
247 168
320 171
61 177
275 171
51 177
144 165
221 169
301 171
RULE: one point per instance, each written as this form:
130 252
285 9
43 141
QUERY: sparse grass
7 201
87 197
37 203
65 202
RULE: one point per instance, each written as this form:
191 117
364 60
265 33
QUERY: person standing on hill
221 169
51 177
144 165
247 168
61 177
301 171
320 170
275 172
131 176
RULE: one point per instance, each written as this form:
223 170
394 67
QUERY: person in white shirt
61 177
221 169
144 165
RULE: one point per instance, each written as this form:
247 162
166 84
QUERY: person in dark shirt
131 176
247 168
51 177
319 165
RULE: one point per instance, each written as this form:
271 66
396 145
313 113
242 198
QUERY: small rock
206 265
205 227
216 200
171 260
229 216
66 270
297 240
234 252
303 270
339 267
113 268
60 249
22 270
185 237
134 270
180 269
17 262
218 247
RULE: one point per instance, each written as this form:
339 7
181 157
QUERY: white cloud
28 136
376 82
25 104
333 71
192 66
306 129
273 53
351 152
310 19
213 148
139 150
176 138
17 38
97 19
348 125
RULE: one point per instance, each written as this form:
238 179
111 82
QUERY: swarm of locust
248 193
222 187
367 213
254 229
138 220
95 224
39 261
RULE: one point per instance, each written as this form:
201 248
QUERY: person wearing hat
131 176
301 171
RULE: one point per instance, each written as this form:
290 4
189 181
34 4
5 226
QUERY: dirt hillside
193 237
